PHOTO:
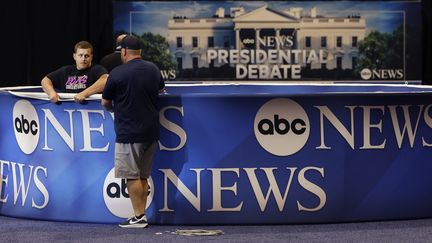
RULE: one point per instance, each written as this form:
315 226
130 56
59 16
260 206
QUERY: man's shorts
134 160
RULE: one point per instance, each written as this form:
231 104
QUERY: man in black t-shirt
84 78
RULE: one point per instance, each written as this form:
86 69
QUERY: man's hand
80 97
54 97
108 104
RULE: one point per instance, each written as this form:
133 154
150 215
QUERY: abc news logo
281 127
367 74
248 41
22 125
116 196
26 126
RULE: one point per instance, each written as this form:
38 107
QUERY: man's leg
138 189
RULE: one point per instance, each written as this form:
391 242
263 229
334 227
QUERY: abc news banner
228 155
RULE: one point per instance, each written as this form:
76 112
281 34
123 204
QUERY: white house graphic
265 29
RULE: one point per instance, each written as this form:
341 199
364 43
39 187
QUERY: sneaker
135 222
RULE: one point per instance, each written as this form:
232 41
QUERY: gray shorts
134 160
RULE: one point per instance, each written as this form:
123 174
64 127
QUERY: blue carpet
23 230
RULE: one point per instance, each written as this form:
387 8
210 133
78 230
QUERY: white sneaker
134 222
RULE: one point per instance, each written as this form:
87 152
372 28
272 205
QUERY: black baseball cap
131 43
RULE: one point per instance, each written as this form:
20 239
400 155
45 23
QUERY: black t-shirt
68 79
111 61
134 89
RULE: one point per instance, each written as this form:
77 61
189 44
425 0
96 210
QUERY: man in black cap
132 92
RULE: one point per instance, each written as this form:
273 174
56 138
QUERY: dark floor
23 230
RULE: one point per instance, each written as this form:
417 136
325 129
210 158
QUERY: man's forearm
48 88
97 87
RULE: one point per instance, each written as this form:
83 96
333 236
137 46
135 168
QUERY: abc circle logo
26 126
116 196
248 41
366 73
281 127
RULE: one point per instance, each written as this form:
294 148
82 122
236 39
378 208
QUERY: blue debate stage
228 154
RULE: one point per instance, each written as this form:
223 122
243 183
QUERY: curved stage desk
228 154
